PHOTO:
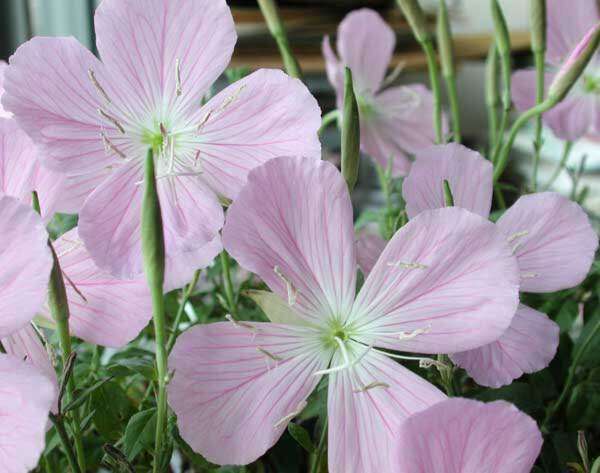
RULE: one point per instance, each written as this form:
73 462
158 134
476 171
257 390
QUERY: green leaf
583 409
301 435
132 366
80 397
596 466
112 408
139 433
520 394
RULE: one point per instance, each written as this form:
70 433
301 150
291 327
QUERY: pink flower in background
237 384
98 119
551 238
466 436
27 394
25 400
579 113
394 121
369 245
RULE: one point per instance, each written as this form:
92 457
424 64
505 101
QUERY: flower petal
523 88
564 31
262 116
104 310
553 239
142 42
26 263
333 68
527 346
292 226
368 249
180 269
3 113
363 424
25 344
61 114
365 44
399 124
467 172
25 400
109 223
234 383
447 279
467 436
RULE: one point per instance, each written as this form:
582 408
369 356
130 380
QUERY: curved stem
184 299
328 119
434 80
65 441
539 98
320 449
563 161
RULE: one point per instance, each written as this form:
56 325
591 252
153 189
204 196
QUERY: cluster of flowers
76 130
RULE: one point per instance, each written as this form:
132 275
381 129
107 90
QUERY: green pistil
337 330
591 84
153 139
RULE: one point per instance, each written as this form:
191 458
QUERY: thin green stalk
328 119
563 161
434 81
444 40
571 376
276 27
539 98
384 182
320 449
184 299
66 443
492 96
228 284
59 309
499 198
153 251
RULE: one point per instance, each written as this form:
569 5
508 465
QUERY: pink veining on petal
467 436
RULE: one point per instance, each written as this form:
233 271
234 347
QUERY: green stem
384 182
153 251
563 161
539 98
320 449
227 284
492 97
276 27
454 110
499 197
184 299
571 376
66 442
434 80
328 119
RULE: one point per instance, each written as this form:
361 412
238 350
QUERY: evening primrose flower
579 113
467 436
394 121
551 237
446 282
27 394
99 118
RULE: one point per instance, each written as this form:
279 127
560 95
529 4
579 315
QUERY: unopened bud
350 133
415 16
538 25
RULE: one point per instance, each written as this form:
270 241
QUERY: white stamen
204 120
516 247
413 334
341 367
292 292
232 98
240 324
394 74
112 119
514 236
97 85
74 244
529 275
373 385
178 89
291 415
269 354
109 146
408 265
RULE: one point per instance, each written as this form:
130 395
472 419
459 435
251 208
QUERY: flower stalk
228 284
350 133
538 47
59 310
277 29
153 251
444 41
492 96
415 16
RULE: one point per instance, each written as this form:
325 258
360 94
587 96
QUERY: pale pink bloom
551 237
93 118
26 263
25 400
237 384
394 121
467 436
579 113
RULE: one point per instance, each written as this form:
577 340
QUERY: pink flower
26 395
579 113
237 384
551 238
394 121
466 436
104 310
98 119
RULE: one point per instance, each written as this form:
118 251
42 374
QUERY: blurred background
308 21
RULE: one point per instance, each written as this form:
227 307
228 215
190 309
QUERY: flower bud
500 29
538 25
444 40
350 133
